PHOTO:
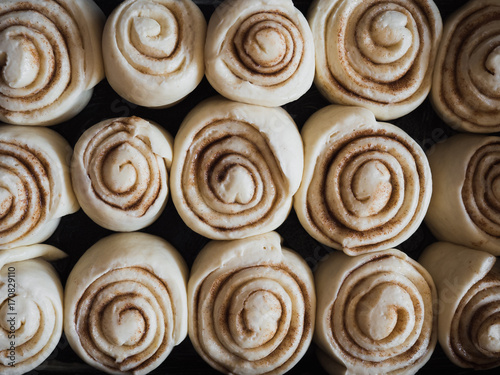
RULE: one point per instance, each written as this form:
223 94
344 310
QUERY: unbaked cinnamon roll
153 50
375 54
125 304
50 54
465 204
466 82
236 167
251 306
468 284
375 314
31 307
35 184
120 172
259 52
366 184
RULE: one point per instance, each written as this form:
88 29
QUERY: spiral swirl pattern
119 172
35 188
153 50
251 316
36 326
259 52
366 185
236 168
376 54
466 83
378 317
51 53
126 309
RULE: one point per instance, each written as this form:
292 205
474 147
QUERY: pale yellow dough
125 305
468 284
251 306
375 314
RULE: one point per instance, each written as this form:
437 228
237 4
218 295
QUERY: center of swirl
20 62
261 315
155 38
372 184
123 327
267 47
489 335
236 185
6 200
118 172
493 62
389 28
495 187
377 313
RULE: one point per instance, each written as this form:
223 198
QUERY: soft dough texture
120 172
236 167
375 314
125 305
466 82
366 184
153 50
52 55
259 52
468 284
374 54
465 204
35 184
251 306
37 325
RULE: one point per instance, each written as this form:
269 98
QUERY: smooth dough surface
125 305
251 305
236 168
375 314
468 284
366 184
465 204
120 172
53 59
373 54
153 50
259 52
35 188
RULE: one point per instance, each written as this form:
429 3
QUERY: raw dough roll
153 50
120 172
31 307
125 304
366 185
375 54
52 55
465 204
468 284
375 314
259 52
236 167
35 184
251 306
466 82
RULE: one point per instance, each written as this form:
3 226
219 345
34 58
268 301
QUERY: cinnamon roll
375 54
35 184
466 81
468 284
251 305
375 314
465 204
153 50
50 54
259 52
31 307
236 167
125 304
120 171
366 184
